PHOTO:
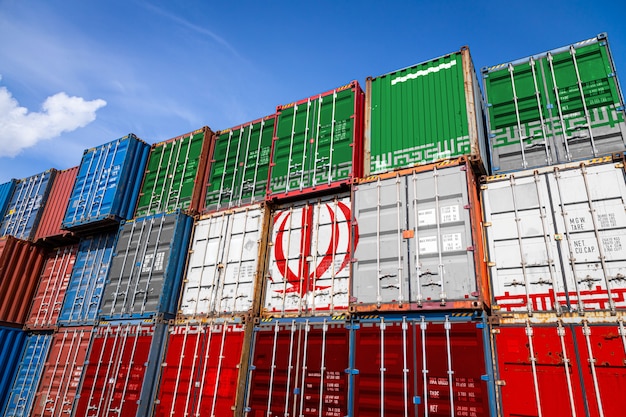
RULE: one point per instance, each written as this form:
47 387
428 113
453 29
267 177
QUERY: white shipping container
557 237
222 270
309 257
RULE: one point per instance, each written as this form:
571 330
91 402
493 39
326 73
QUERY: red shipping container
298 368
201 370
120 373
20 267
62 372
49 229
561 367
50 293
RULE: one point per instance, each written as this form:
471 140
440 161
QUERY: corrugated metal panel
420 240
318 143
11 348
423 366
309 257
424 113
62 372
22 392
119 376
49 230
107 184
84 290
20 267
175 174
240 159
298 368
48 298
562 105
147 267
225 264
561 368
556 238
6 192
201 370
24 210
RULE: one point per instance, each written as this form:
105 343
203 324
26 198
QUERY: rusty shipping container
425 113
175 174
49 230
318 144
421 244
298 368
311 243
26 205
20 267
83 295
50 293
561 366
120 372
62 372
202 368
422 365
239 166
556 237
225 265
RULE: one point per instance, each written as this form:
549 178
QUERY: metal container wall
298 368
62 372
225 266
318 144
6 192
175 174
20 267
201 370
84 291
424 113
22 392
147 267
562 105
50 293
12 342
26 205
240 160
561 367
49 230
556 238
309 256
119 375
107 184
420 240
422 365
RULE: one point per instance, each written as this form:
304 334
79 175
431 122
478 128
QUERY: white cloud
21 129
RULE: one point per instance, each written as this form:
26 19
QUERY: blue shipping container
147 267
107 184
27 376
11 347
6 192
26 205
84 290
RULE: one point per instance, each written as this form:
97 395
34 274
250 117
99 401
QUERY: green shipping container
318 144
563 105
425 113
175 174
239 165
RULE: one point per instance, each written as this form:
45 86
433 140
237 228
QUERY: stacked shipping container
302 287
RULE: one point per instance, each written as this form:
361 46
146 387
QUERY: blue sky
77 74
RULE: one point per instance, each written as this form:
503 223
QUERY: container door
441 254
309 257
589 210
24 210
298 369
381 267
